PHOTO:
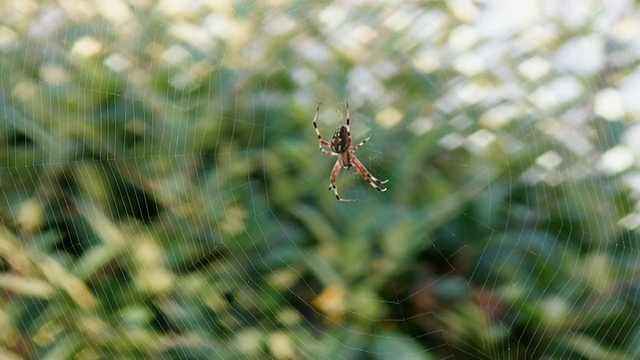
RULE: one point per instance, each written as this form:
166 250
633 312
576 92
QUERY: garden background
163 194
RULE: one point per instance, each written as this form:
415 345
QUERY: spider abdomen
340 140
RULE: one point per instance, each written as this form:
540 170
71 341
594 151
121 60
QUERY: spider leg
360 144
349 140
330 153
348 117
321 141
372 180
334 177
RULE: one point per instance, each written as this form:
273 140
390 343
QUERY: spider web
164 195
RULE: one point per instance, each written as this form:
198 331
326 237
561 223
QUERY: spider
342 146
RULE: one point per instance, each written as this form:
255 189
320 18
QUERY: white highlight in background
615 160
609 104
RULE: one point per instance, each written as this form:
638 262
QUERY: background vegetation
163 195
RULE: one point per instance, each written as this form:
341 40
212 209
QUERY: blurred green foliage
164 197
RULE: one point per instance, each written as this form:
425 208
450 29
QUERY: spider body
341 141
341 145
